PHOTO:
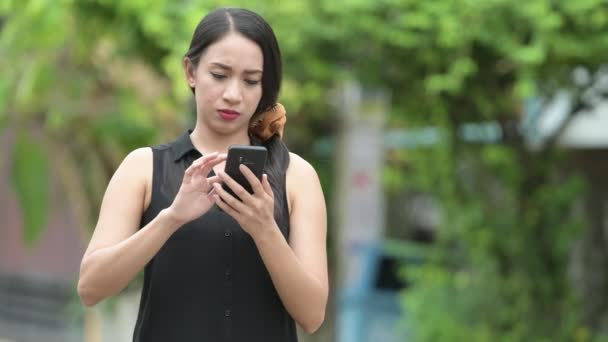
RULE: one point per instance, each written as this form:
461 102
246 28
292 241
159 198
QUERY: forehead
236 51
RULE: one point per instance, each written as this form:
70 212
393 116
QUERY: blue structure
369 309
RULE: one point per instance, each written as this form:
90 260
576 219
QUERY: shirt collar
182 146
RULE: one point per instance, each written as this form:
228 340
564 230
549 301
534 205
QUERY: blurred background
462 147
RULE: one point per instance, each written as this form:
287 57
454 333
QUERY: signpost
360 200
360 156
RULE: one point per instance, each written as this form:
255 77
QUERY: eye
252 82
217 76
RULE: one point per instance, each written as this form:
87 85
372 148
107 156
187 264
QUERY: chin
231 128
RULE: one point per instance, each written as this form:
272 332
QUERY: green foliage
508 224
3 120
500 264
30 181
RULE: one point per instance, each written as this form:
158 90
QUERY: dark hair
215 26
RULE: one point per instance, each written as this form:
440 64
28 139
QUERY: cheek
255 95
207 92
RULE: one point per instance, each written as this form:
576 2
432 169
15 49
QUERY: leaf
29 179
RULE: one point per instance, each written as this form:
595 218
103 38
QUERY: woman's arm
299 268
119 249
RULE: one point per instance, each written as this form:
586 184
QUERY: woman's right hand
193 198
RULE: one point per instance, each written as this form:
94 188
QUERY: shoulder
137 158
135 172
136 166
300 167
140 154
302 180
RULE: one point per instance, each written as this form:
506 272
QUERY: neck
207 141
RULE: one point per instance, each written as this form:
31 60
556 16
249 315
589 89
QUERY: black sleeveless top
208 281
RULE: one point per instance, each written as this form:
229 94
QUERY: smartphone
254 157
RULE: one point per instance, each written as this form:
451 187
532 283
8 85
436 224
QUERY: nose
233 92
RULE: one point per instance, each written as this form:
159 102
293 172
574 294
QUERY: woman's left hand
255 213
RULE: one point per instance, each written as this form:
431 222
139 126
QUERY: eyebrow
228 68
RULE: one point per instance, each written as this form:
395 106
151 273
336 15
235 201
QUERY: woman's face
228 83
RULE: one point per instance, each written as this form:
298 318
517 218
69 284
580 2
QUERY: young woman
216 268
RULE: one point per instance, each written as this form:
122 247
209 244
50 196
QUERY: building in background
38 300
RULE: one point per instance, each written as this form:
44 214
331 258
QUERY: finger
188 174
208 164
235 187
266 185
190 171
198 162
206 157
199 174
225 207
209 184
213 180
195 168
252 179
228 198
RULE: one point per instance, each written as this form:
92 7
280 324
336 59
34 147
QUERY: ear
189 72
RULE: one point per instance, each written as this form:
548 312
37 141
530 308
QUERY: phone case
253 157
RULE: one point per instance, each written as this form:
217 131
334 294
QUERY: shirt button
227 234
227 313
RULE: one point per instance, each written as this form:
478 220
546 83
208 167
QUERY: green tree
508 224
91 80
508 213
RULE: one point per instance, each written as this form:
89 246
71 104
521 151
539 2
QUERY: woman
216 268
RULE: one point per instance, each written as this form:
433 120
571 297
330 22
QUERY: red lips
228 114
